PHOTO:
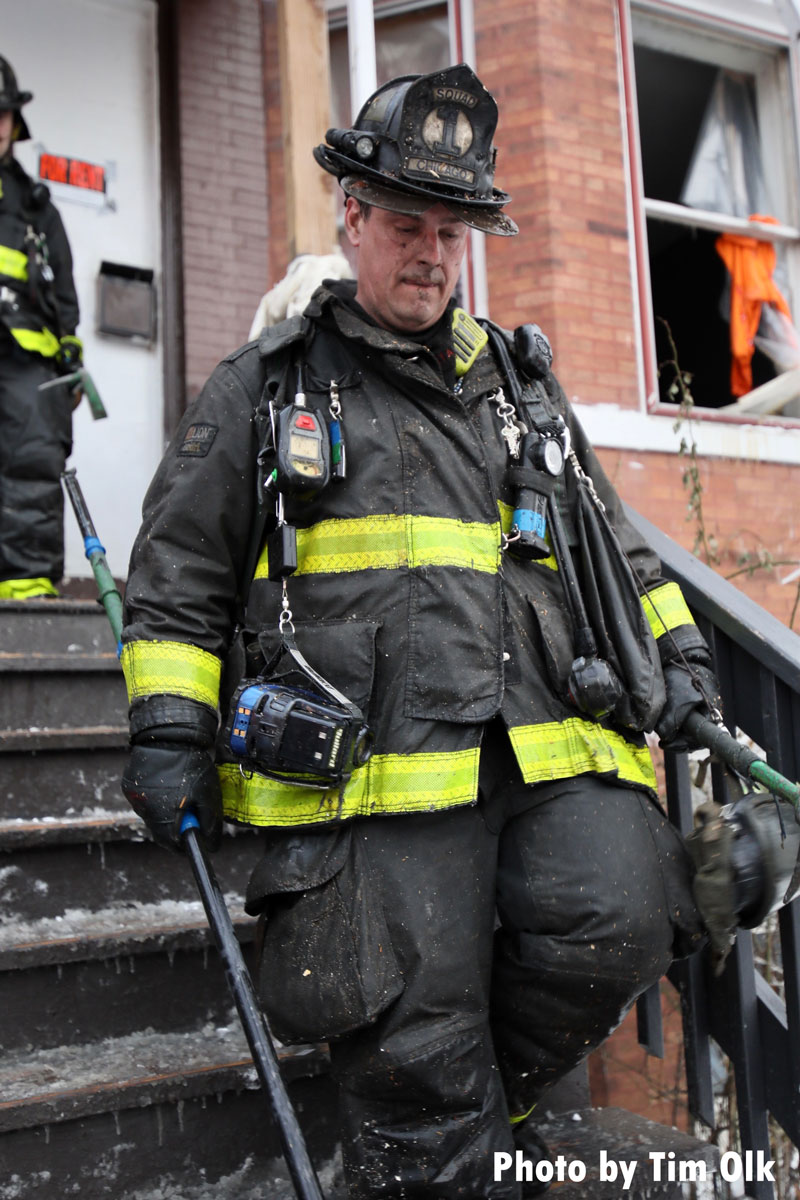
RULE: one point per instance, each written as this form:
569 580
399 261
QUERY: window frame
715 31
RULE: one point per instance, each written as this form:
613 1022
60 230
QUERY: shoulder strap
275 346
530 397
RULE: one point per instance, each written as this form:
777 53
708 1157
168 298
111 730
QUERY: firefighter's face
6 130
407 265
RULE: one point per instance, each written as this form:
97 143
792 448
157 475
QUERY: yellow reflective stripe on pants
506 518
665 608
388 783
38 341
13 263
27 589
390 542
172 668
561 749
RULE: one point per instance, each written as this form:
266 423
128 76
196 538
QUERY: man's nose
430 246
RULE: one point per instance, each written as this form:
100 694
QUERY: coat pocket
555 641
327 967
342 652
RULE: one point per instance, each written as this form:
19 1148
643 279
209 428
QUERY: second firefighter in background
38 319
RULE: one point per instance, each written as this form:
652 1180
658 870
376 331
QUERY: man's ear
353 221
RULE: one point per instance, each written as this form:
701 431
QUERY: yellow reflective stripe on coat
390 542
38 341
172 668
13 263
561 749
665 608
388 783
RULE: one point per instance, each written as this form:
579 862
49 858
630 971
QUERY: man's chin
419 318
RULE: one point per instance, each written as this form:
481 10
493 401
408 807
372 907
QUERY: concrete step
71 867
55 626
60 691
116 1118
106 974
588 1148
62 1083
252 1181
21 833
62 773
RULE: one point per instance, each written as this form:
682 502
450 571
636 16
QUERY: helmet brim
23 133
481 217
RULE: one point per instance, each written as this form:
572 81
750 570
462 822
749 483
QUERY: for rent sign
73 172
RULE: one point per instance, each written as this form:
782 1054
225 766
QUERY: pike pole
107 592
80 381
254 1024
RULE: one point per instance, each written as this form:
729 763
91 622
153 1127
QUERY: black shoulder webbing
277 347
533 400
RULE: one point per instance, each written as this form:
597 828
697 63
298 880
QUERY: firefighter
473 898
38 319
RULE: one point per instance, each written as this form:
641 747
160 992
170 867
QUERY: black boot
535 1150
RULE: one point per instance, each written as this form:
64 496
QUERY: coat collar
398 353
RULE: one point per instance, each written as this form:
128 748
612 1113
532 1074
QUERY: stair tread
79 933
97 825
33 1074
93 824
79 659
61 1082
581 1136
44 737
249 1180
53 606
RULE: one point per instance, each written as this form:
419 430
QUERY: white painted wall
92 67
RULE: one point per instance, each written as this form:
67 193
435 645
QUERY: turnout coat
33 313
405 597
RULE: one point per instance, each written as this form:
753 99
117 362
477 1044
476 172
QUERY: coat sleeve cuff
171 668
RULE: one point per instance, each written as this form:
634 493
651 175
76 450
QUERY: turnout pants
35 441
522 929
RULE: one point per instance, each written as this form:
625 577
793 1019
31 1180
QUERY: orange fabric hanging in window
751 264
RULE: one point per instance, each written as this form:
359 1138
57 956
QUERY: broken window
717 148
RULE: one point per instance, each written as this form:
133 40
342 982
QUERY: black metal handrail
757 659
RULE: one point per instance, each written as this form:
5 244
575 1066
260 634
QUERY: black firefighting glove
690 684
171 769
69 356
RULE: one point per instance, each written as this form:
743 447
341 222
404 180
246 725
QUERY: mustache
434 277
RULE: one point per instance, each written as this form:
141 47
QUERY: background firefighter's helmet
12 98
421 139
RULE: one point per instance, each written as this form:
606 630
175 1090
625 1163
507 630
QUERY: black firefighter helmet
12 99
421 139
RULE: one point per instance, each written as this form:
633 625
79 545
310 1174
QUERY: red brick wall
553 69
623 1075
750 508
224 177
